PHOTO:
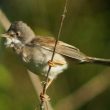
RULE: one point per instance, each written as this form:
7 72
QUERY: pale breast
36 59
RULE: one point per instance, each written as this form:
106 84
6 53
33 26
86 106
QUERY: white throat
10 42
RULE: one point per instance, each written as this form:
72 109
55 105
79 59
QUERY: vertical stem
58 36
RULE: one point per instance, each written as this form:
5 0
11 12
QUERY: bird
36 51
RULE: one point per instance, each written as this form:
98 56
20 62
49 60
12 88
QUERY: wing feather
62 48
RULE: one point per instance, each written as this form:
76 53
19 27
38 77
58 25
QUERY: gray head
19 32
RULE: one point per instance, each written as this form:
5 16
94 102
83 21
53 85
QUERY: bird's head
18 33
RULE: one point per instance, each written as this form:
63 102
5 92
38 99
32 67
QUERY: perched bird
36 51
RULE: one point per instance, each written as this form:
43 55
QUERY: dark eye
18 34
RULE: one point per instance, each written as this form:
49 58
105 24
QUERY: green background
87 26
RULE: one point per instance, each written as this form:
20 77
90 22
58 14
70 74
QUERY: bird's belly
41 67
34 67
38 63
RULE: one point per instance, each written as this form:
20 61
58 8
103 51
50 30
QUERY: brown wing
62 48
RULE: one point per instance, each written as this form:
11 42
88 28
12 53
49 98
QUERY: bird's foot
44 97
55 63
51 63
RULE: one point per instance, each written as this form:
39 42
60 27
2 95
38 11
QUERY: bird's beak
5 35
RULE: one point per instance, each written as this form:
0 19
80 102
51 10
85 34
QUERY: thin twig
37 86
58 36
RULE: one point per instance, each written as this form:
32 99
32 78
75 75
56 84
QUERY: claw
44 97
55 63
51 63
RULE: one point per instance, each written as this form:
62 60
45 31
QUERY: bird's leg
49 83
55 63
45 97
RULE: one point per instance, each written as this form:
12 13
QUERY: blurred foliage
86 26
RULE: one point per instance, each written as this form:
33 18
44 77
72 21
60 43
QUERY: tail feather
98 61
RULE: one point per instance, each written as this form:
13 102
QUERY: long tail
98 61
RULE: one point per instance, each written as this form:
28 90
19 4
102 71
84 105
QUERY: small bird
36 51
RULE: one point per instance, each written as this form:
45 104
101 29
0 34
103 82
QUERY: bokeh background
81 87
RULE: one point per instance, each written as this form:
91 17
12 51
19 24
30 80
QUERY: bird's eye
18 34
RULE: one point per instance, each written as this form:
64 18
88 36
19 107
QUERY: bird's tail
98 61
